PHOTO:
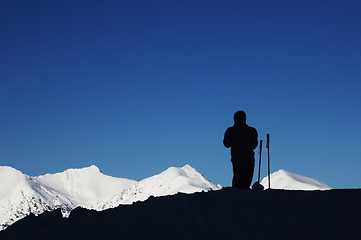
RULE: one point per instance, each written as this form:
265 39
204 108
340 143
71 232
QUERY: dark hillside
272 214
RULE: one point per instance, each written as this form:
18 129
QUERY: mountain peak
283 179
7 170
186 170
187 166
92 168
11 179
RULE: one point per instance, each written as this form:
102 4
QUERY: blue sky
135 87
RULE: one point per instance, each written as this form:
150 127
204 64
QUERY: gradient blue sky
135 87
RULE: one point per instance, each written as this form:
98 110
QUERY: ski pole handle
260 157
269 167
267 145
260 146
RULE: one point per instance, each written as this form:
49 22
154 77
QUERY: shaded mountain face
88 188
224 214
283 179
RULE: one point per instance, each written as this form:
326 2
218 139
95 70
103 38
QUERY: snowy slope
87 187
291 181
169 182
21 195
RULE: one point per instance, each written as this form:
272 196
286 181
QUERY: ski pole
269 171
260 156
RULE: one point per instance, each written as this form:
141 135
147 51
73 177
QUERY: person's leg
248 176
236 181
242 175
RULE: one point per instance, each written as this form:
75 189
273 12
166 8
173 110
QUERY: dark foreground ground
228 213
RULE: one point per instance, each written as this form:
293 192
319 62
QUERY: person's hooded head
239 117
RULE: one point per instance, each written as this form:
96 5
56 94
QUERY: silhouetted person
242 139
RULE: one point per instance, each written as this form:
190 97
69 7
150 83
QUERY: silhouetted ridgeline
272 214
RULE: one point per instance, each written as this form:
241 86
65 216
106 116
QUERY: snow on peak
185 171
89 188
10 179
171 181
78 172
8 169
22 195
283 179
85 187
186 178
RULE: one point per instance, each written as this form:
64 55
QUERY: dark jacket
242 139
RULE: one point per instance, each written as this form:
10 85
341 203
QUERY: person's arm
227 138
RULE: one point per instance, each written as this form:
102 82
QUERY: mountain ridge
227 213
88 188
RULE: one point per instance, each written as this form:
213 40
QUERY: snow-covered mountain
89 188
291 181
21 195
